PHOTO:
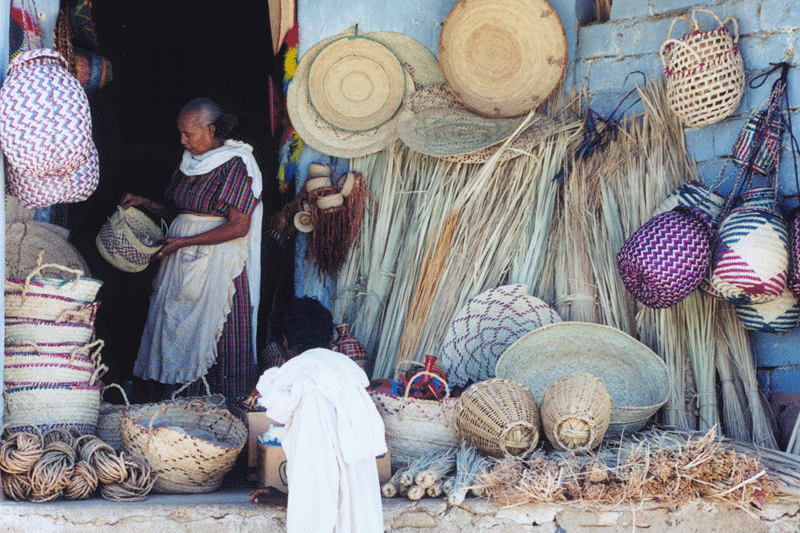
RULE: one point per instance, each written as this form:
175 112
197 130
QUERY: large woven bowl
164 436
499 417
635 377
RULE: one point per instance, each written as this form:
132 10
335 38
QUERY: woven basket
108 429
780 315
499 417
765 161
30 244
129 239
42 331
50 308
158 436
576 412
415 427
751 256
693 194
705 72
665 260
486 326
635 377
70 284
33 371
52 405
793 227
87 354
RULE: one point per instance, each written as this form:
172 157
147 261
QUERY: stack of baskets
52 361
705 72
129 239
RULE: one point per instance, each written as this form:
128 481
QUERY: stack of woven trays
52 360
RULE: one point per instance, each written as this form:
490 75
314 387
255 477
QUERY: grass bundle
469 466
417 466
437 470
391 487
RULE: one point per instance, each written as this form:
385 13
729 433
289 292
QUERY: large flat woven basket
635 377
167 438
499 417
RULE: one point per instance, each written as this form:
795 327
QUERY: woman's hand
172 245
131 200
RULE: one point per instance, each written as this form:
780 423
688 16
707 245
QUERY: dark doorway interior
163 55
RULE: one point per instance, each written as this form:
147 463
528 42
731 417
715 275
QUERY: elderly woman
201 317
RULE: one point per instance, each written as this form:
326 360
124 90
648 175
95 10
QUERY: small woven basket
48 405
751 255
499 417
665 260
415 427
576 412
108 429
129 239
780 315
184 463
705 72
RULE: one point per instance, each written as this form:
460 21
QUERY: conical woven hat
503 58
356 83
322 136
635 377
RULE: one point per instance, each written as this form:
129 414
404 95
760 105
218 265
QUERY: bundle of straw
469 466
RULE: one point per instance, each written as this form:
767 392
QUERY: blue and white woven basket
780 315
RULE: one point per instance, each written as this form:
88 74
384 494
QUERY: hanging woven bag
693 194
46 132
751 255
666 259
780 315
704 70
793 226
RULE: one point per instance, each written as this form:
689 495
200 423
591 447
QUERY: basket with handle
189 446
415 427
129 239
576 412
705 73
108 419
499 417
43 331
33 370
71 283
48 405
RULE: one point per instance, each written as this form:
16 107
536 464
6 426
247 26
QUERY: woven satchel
666 259
46 132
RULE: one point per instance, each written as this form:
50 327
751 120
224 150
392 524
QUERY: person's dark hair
305 323
212 113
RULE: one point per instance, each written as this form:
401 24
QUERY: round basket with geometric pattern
129 239
780 315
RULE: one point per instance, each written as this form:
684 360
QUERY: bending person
201 317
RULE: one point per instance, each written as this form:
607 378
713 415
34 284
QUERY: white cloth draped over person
333 435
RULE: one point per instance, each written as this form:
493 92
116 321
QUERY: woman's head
305 324
204 125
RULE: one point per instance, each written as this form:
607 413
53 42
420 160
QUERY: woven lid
321 135
635 377
303 222
503 58
356 83
25 241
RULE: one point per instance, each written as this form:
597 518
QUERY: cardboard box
257 423
272 467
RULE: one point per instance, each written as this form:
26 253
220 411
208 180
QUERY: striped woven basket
36 371
52 405
74 352
50 308
693 194
415 427
129 239
751 256
42 331
780 315
793 226
70 284
666 259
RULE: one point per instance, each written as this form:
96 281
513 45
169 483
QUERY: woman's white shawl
333 434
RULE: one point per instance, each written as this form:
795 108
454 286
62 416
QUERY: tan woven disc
356 83
503 58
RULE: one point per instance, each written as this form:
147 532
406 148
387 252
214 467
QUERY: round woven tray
158 436
576 411
635 377
499 417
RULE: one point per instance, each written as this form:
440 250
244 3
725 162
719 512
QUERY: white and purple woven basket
46 132
666 259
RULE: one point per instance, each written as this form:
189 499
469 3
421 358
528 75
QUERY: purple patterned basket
793 225
667 258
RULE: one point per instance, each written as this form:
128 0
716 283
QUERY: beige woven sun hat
635 377
503 58
321 135
443 127
356 83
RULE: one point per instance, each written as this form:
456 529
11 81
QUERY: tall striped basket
751 256
780 315
666 259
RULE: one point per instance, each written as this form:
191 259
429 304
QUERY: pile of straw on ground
669 467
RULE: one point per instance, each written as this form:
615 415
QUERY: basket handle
186 386
681 17
676 41
153 418
116 386
426 373
721 22
514 425
84 314
99 372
